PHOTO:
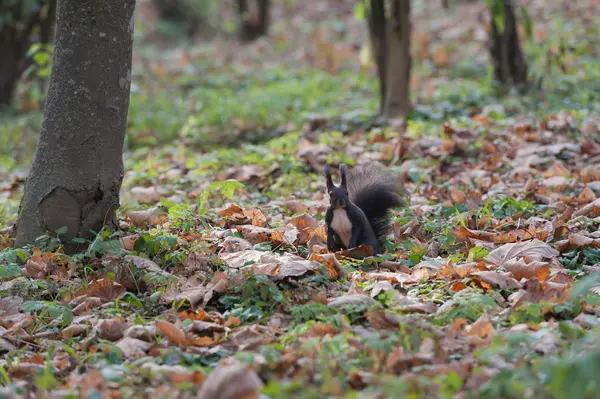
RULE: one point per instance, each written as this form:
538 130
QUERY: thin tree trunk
505 50
77 170
263 17
252 26
377 33
15 39
397 100
9 76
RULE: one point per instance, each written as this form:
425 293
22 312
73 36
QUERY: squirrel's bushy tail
375 191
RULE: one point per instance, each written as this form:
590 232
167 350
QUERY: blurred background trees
26 26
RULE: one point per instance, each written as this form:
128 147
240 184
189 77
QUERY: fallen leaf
172 333
577 241
150 217
113 329
231 380
534 249
133 348
107 290
149 195
352 299
257 218
496 279
521 269
591 210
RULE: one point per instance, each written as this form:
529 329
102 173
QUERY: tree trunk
398 65
253 24
15 39
77 170
9 76
505 50
377 33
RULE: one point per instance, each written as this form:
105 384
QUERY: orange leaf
172 333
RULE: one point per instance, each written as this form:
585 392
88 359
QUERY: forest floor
219 282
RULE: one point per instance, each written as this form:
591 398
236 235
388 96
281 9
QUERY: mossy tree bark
253 24
509 63
77 170
390 41
22 25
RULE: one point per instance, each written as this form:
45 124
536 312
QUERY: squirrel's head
338 195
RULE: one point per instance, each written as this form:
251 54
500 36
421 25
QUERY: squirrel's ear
328 179
343 170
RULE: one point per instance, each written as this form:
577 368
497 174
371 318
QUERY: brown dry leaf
87 306
92 383
145 264
286 265
500 280
107 290
43 264
236 244
303 221
257 218
483 119
544 291
133 348
321 330
534 249
317 243
172 333
128 242
463 234
591 210
586 196
232 321
394 278
352 299
333 266
232 210
150 217
295 206
193 295
199 314
458 197
441 57
558 169
251 337
246 173
577 241
74 330
113 329
306 225
481 332
254 234
590 147
521 269
231 380
360 252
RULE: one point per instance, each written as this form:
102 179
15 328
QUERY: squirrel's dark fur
359 208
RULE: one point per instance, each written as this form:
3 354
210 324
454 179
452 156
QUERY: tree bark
505 49
253 25
377 33
77 170
398 66
16 36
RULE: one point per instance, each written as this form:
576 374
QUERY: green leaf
360 11
527 22
62 230
41 58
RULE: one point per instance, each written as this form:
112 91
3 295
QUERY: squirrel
358 211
